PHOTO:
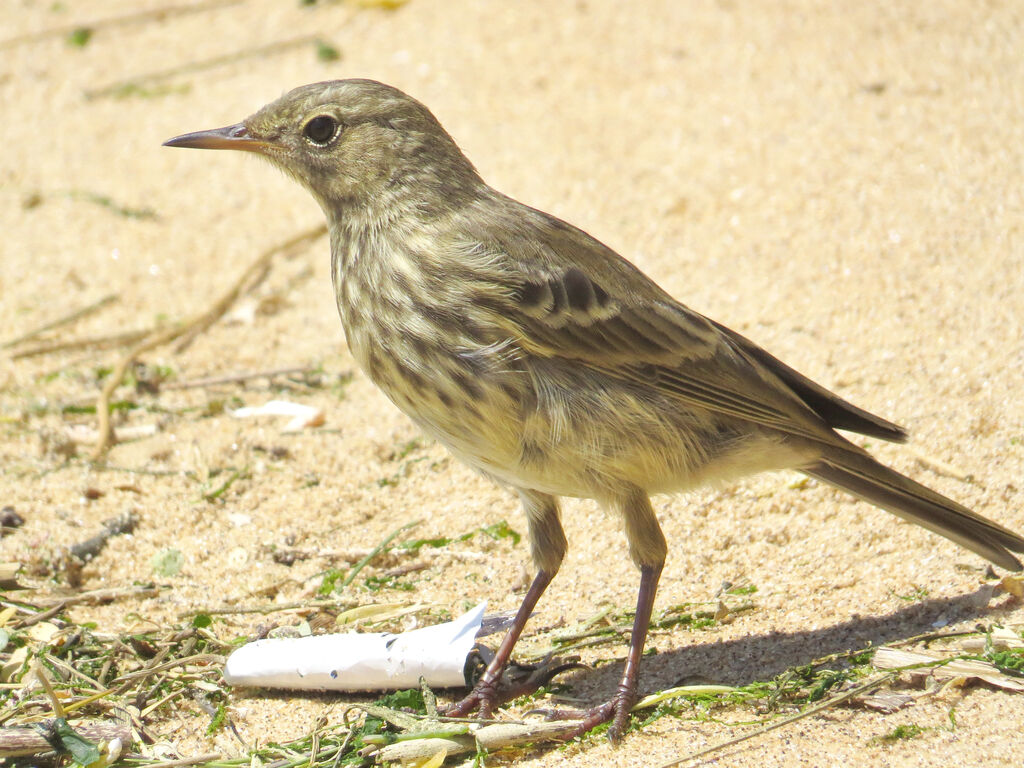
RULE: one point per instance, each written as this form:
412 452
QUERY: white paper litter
302 415
370 661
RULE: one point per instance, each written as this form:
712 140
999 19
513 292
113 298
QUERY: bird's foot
483 698
516 680
617 710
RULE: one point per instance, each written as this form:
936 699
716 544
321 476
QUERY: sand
839 182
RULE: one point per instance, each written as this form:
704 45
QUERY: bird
546 361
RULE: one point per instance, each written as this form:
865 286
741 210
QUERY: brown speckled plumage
542 358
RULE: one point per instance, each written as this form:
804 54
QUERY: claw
481 698
617 710
485 696
515 681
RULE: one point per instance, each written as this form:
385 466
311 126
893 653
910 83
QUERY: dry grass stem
813 710
67 319
138 17
187 331
140 82
20 741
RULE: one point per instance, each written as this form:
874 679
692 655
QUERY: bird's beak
231 137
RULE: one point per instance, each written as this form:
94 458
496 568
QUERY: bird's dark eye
320 130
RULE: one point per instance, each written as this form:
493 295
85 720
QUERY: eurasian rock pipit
545 360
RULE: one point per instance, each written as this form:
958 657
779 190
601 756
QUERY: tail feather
861 475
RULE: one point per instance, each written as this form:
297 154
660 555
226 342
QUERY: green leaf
81 749
377 583
167 562
411 698
330 581
202 620
326 51
217 721
416 544
746 589
79 37
1010 660
901 732
501 530
828 681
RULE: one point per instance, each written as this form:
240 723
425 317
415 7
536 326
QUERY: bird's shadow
739 661
752 658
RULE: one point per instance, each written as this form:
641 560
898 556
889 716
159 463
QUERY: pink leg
485 695
617 708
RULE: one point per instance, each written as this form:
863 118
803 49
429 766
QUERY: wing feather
572 298
671 349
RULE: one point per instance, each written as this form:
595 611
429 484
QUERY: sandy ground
840 182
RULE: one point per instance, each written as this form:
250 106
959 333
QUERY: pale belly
569 432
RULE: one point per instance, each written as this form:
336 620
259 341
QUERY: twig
46 615
157 704
290 555
72 560
209 658
146 472
104 427
939 466
827 704
190 329
98 696
98 596
294 554
151 14
251 275
67 319
213 381
20 741
70 670
135 83
89 342
114 526
207 758
307 606
530 655
44 680
104 201
376 551
417 745
404 570
928 637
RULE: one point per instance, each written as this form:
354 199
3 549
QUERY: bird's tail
861 475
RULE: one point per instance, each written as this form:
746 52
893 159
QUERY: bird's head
353 144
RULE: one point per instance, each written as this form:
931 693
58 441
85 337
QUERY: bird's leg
648 549
548 545
485 695
618 707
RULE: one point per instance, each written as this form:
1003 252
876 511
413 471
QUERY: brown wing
667 347
836 412
575 299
